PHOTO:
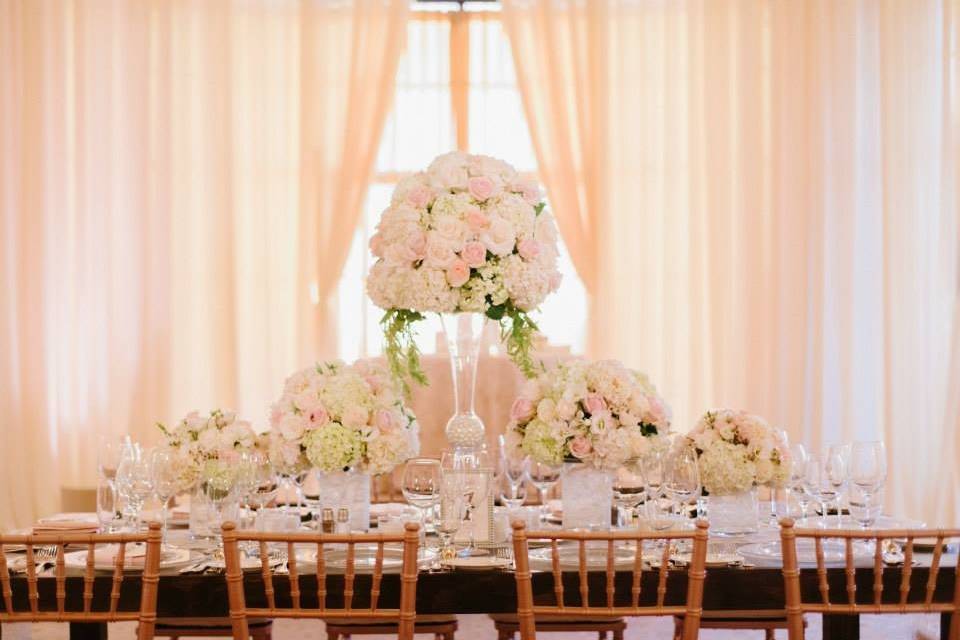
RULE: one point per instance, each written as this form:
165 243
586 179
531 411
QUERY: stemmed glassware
262 486
219 481
422 482
134 482
836 465
799 459
511 496
628 491
681 482
451 518
659 507
470 474
868 472
110 451
544 476
514 468
165 470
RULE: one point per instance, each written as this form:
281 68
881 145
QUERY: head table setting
587 503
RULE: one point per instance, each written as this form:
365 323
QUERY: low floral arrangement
207 445
339 417
466 235
600 413
738 451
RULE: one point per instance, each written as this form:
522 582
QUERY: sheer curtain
159 164
776 225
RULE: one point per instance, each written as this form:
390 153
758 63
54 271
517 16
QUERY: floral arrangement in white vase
466 235
600 413
340 417
199 442
738 451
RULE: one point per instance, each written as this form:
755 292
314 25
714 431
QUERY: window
455 89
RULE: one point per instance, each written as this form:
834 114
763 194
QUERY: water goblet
837 469
681 482
511 496
134 483
422 481
628 492
165 470
544 477
799 459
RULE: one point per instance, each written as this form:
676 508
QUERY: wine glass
110 452
868 472
659 508
781 445
681 482
218 481
134 483
422 481
628 491
514 467
511 496
450 520
544 476
799 459
836 464
165 470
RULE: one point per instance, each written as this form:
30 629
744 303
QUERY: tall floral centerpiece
595 416
207 450
467 236
737 452
348 422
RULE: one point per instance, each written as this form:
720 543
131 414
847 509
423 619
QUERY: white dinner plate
364 557
846 522
768 554
596 555
169 557
477 563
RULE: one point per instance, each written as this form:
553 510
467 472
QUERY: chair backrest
345 544
691 609
898 602
53 548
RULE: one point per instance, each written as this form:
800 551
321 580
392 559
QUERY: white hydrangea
426 240
597 412
197 440
336 416
737 451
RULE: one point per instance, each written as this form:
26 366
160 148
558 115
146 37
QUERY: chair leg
618 634
601 635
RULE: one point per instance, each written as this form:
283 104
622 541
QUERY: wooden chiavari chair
146 615
899 602
239 611
528 611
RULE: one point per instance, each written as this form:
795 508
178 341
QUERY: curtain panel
770 192
179 184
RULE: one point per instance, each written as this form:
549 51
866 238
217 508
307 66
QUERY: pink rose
474 254
480 187
376 245
529 191
318 416
384 421
458 273
355 417
580 447
521 410
417 243
439 254
594 403
477 220
528 249
420 196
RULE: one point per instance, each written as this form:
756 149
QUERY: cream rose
499 238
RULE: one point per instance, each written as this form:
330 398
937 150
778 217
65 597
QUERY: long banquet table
727 589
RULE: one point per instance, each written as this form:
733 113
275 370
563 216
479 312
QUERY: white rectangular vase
346 489
734 514
587 497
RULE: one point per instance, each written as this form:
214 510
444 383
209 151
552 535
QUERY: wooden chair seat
260 628
442 626
508 625
766 621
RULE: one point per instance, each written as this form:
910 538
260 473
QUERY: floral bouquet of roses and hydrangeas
466 235
212 444
339 417
738 451
600 413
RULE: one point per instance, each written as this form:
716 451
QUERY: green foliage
539 207
400 348
517 329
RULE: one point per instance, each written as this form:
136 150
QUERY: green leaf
400 347
496 312
540 207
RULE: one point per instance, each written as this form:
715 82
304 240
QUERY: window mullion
460 76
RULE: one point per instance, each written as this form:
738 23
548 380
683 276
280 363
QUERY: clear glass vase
734 514
464 333
587 497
